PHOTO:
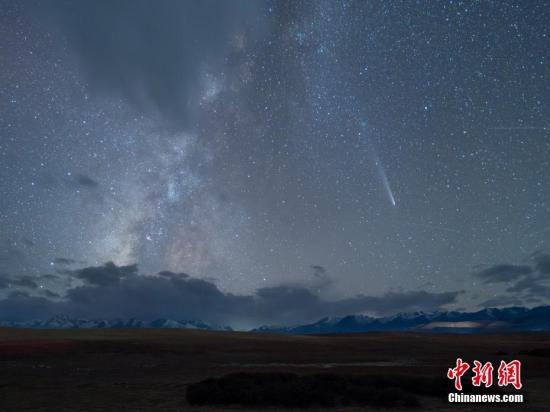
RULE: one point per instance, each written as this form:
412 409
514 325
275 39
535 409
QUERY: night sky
276 161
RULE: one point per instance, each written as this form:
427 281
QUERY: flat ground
149 370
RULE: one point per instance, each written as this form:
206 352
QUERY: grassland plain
152 369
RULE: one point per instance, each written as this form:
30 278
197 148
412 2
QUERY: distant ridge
483 321
511 319
64 322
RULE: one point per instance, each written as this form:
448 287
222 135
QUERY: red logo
482 374
457 372
508 373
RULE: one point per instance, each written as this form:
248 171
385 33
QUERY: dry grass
150 370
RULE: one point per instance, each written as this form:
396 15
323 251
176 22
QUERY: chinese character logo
482 374
457 372
508 373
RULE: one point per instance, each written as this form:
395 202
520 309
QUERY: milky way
396 145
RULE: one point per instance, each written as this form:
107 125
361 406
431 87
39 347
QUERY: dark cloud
24 281
18 294
530 285
85 181
105 275
525 282
119 291
152 52
49 294
63 261
157 296
19 306
111 291
4 282
501 301
286 304
172 275
48 276
7 281
322 278
542 263
392 302
319 271
504 273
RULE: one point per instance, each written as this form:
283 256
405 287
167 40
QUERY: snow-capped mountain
64 322
486 320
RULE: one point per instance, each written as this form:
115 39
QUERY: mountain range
64 322
486 320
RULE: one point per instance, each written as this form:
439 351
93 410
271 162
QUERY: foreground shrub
319 390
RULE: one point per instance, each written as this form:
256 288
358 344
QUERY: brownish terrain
149 370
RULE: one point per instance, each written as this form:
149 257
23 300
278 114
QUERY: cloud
48 293
48 276
18 294
531 285
105 275
19 306
110 291
284 304
319 271
7 281
542 263
504 273
322 278
172 275
152 53
85 181
527 283
406 301
24 281
501 301
63 261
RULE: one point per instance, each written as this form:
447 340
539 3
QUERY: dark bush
319 390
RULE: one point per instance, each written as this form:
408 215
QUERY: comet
385 182
379 167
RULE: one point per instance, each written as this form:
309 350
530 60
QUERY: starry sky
382 149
